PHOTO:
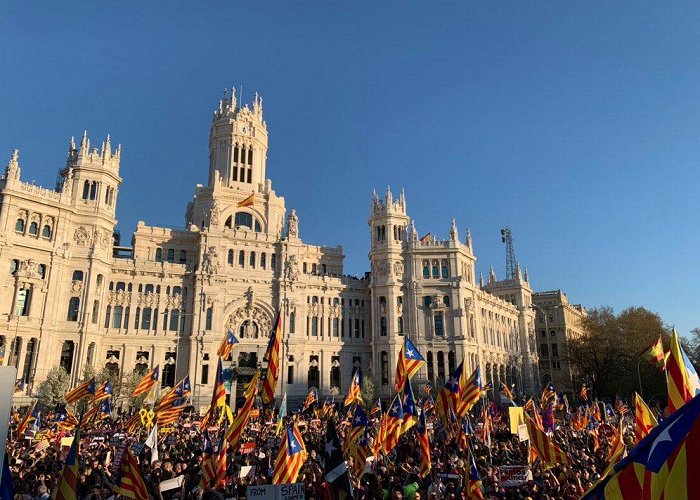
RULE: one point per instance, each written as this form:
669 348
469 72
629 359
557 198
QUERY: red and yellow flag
655 354
130 482
681 378
67 488
290 457
236 429
82 391
272 356
147 382
248 202
354 390
644 420
544 447
469 391
218 397
424 446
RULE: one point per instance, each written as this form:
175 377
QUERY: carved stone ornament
214 214
291 268
76 286
119 298
210 262
252 315
293 224
104 238
398 268
82 236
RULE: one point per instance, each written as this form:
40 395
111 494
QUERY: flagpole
639 374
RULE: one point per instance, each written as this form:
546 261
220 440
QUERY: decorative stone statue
293 225
214 214
453 231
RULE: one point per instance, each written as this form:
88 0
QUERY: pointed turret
481 279
526 277
84 145
389 197
12 171
468 241
453 231
492 275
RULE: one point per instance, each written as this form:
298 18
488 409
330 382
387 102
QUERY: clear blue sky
576 123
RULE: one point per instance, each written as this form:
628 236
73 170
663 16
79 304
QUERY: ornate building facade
71 295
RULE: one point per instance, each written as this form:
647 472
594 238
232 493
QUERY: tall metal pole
546 333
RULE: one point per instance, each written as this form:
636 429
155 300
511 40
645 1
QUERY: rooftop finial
481 279
12 171
469 238
389 197
526 277
453 231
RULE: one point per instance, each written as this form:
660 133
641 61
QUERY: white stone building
71 295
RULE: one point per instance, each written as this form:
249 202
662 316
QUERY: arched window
108 315
230 258
117 317
426 270
159 254
86 190
250 157
171 255
241 258
33 229
431 371
451 362
292 317
67 355
120 286
41 268
183 256
93 191
436 271
252 260
273 261
207 324
244 219
77 275
441 365
19 225
445 274
73 309
46 232
263 260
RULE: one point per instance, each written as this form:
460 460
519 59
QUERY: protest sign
171 484
514 475
276 492
515 415
247 448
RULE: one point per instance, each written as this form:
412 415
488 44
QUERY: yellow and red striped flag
272 356
655 354
103 392
130 482
147 382
249 201
208 463
354 390
311 398
424 446
644 420
221 464
226 345
469 391
544 447
67 488
392 425
408 364
681 378
236 429
218 397
290 457
28 417
82 391
584 392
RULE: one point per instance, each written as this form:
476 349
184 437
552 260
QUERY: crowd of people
36 459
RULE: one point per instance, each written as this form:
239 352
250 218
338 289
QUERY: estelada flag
67 488
408 363
249 201
272 356
354 390
226 345
681 378
543 446
424 446
83 390
469 391
147 382
664 464
290 457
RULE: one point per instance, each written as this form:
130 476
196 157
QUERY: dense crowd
36 467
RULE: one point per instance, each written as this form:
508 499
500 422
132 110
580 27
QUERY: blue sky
575 123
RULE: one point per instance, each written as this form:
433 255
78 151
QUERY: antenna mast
511 262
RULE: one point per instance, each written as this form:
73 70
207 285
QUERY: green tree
608 354
368 393
51 391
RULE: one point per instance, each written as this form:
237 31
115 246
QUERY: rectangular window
336 326
555 351
146 319
210 313
291 322
400 324
357 328
382 326
205 375
314 326
439 328
363 328
24 298
290 374
73 309
174 320
385 368
543 350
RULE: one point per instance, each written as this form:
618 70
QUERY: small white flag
152 442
